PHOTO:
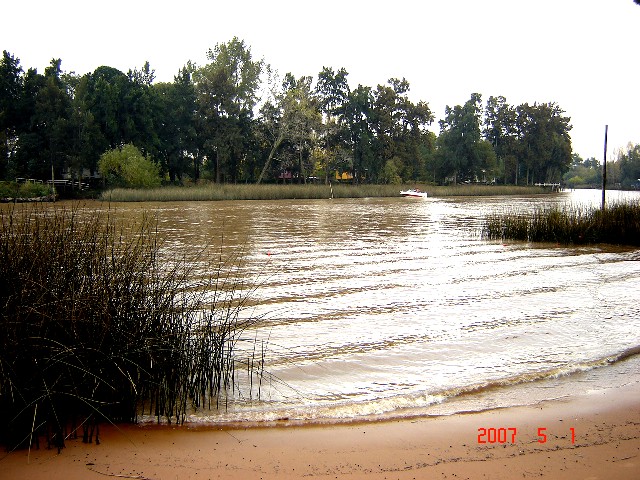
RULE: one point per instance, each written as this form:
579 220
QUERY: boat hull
413 193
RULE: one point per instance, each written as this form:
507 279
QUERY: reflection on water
396 306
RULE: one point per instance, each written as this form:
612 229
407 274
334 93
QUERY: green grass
99 322
275 192
618 224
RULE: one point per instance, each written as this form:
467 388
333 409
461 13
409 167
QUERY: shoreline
605 427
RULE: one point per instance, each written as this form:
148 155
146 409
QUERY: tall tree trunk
196 167
326 169
217 167
301 166
275 146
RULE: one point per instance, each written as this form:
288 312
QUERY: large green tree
388 133
358 111
53 107
122 105
416 143
332 91
400 130
295 121
103 93
11 120
177 126
500 131
304 122
543 145
463 155
42 141
227 92
86 137
142 110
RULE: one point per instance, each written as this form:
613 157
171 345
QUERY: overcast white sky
581 54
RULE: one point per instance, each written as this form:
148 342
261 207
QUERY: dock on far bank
555 187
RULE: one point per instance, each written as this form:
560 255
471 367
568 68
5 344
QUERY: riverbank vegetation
618 224
235 120
99 322
214 191
18 191
622 173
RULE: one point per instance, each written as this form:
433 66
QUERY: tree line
622 172
235 120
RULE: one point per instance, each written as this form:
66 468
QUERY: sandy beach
585 437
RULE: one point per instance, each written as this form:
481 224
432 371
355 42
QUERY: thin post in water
604 166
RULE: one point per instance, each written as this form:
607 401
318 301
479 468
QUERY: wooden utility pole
53 182
604 166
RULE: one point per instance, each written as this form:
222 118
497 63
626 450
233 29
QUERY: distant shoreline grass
214 192
618 224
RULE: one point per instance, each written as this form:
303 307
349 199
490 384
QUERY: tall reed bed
248 192
97 325
617 224
484 190
294 191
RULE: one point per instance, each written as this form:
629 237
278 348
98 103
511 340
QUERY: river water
395 307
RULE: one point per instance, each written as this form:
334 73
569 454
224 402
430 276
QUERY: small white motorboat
413 192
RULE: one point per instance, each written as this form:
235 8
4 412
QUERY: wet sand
606 444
